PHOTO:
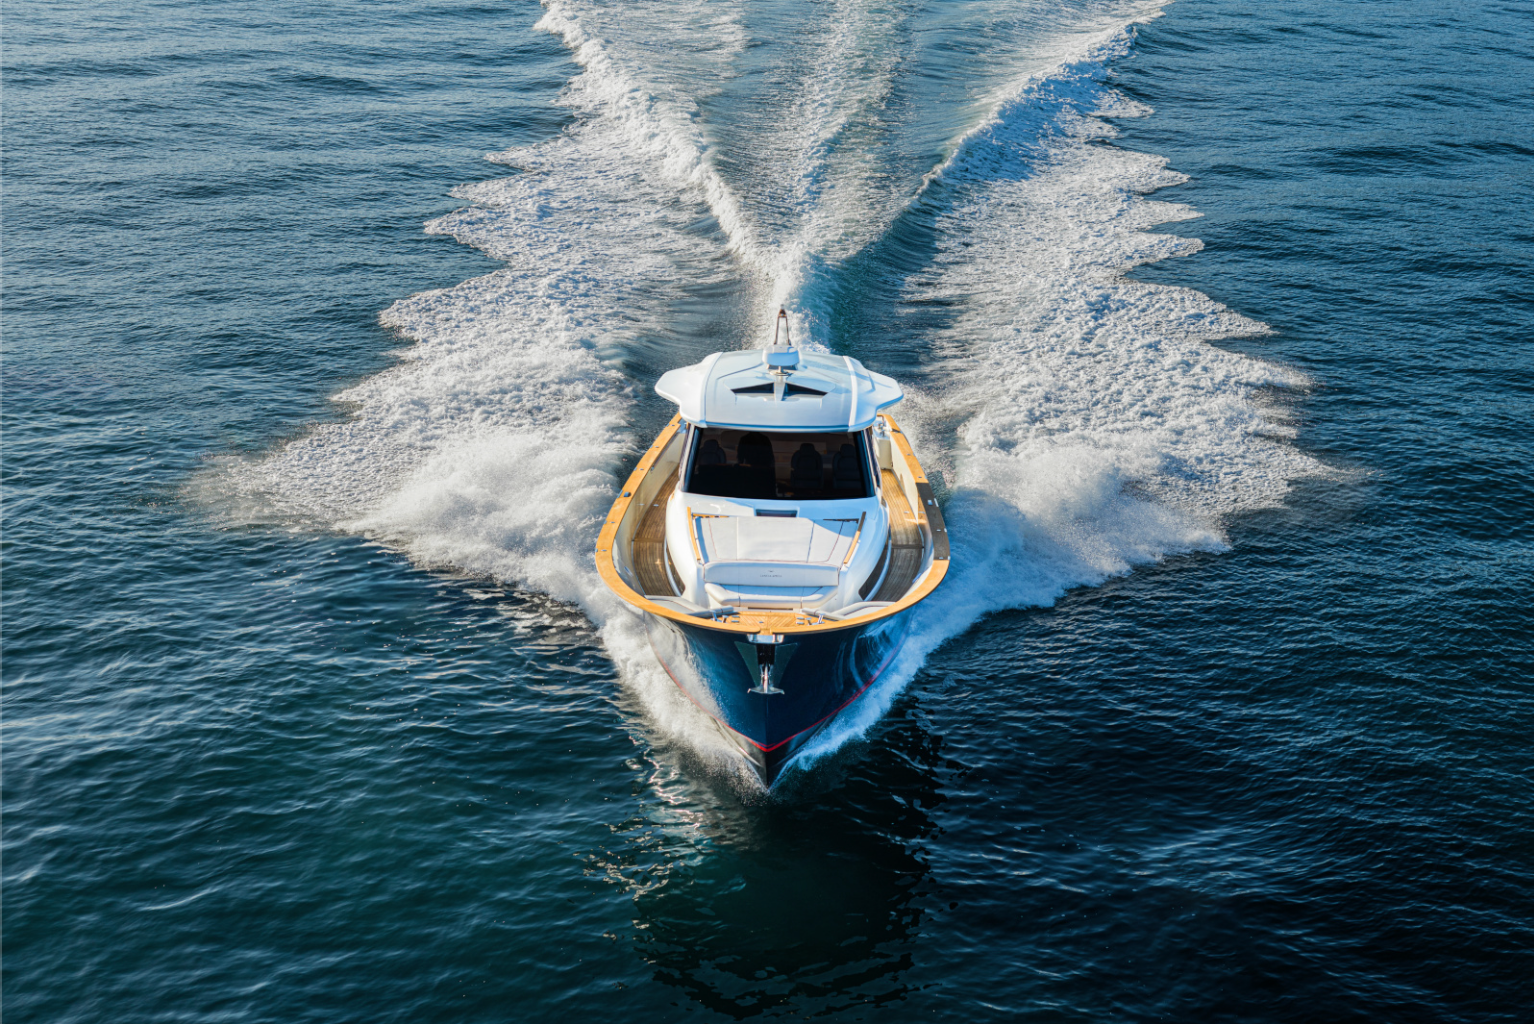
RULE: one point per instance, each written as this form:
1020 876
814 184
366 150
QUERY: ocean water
1216 325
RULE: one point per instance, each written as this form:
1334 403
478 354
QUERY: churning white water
1097 427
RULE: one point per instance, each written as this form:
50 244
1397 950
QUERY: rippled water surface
1215 320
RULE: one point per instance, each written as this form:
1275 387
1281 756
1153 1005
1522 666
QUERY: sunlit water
315 707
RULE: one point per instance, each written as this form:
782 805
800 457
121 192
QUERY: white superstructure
779 388
778 502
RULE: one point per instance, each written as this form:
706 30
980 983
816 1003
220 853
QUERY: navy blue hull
819 674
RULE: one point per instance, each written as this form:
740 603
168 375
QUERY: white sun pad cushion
768 551
771 574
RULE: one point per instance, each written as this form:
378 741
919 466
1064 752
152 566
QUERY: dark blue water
312 710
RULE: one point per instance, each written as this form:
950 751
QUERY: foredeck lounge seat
768 597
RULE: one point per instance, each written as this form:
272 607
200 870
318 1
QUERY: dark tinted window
777 464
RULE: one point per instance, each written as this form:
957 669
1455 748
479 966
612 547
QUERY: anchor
765 656
766 686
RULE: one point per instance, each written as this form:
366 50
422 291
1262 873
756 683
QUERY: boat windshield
753 464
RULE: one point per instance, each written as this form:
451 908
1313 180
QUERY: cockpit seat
806 467
756 462
754 449
845 471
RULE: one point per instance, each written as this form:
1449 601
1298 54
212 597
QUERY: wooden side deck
650 545
905 543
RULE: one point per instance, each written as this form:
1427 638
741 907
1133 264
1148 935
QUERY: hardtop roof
820 391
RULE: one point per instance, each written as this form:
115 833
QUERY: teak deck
650 545
905 548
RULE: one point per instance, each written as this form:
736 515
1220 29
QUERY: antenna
780 329
782 357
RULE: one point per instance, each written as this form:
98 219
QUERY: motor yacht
776 538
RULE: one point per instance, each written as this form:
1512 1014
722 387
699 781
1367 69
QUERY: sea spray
1097 428
1100 429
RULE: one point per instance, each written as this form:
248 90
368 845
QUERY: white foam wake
1100 429
654 127
849 192
831 199
493 446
